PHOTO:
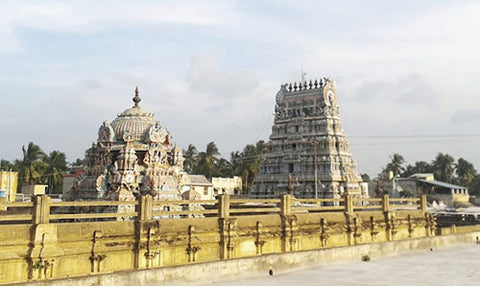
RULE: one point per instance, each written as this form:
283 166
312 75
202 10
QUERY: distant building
308 140
425 183
231 186
8 185
197 186
69 180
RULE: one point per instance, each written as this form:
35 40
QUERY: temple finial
136 99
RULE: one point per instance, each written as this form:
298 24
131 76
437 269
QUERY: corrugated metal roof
443 184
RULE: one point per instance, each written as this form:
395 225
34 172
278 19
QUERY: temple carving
134 155
308 152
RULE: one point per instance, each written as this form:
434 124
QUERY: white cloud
86 17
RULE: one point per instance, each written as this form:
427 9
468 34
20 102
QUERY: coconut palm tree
395 165
246 164
207 160
56 166
465 172
419 167
32 166
223 168
191 158
443 167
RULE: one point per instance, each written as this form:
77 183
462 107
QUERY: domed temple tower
307 132
134 155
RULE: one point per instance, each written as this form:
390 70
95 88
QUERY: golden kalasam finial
136 99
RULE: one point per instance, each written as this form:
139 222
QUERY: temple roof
135 120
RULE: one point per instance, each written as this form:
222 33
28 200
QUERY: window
205 190
290 167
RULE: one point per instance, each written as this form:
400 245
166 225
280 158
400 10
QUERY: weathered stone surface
134 155
308 131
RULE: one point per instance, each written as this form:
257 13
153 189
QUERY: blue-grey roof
440 183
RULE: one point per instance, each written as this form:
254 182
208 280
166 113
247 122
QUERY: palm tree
246 163
207 160
223 168
32 166
56 166
75 165
465 172
443 167
419 167
6 165
191 158
395 165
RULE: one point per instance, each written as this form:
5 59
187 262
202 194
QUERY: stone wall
49 249
241 268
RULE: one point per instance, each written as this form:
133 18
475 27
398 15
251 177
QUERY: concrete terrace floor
457 266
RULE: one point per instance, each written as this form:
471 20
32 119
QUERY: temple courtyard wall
422 262
42 243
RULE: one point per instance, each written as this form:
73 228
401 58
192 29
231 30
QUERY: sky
406 72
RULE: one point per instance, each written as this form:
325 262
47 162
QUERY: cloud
220 84
90 17
471 116
91 84
406 89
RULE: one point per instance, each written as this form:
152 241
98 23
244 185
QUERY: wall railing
42 210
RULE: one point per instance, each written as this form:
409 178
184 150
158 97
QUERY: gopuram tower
308 153
134 155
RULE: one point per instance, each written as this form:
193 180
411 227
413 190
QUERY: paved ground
455 266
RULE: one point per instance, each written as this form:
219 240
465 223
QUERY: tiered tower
133 156
307 132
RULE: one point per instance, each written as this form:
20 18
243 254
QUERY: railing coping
145 207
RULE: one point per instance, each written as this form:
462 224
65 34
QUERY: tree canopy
443 167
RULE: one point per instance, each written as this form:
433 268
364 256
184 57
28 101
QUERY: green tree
191 158
32 166
6 165
395 165
207 161
419 167
475 188
223 168
56 166
465 172
443 167
365 177
75 165
246 163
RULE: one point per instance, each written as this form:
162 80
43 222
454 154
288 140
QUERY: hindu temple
308 153
134 155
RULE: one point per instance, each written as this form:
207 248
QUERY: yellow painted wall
47 250
9 183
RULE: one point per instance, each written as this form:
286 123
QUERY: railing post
224 225
389 218
145 208
386 203
423 204
224 206
349 204
285 205
289 224
143 255
43 240
349 219
41 209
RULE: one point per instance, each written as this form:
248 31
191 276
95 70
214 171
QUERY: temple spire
136 99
